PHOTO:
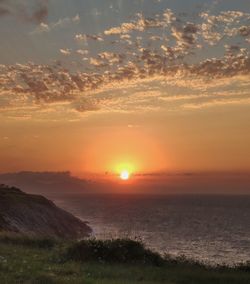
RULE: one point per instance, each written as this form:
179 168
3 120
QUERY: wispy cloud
61 23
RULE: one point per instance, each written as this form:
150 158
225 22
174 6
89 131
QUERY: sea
208 228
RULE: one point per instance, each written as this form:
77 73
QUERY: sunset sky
98 86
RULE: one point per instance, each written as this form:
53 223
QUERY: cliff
35 215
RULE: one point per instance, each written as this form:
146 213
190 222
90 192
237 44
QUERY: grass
23 261
28 241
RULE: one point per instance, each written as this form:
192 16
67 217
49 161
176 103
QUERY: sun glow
124 175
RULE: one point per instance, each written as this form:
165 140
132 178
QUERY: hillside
35 215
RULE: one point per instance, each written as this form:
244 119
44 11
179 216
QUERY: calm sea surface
214 229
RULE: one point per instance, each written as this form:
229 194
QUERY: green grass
28 241
23 261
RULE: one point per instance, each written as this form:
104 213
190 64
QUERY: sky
152 86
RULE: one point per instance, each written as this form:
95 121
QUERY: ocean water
212 229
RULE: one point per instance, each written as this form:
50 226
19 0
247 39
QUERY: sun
124 175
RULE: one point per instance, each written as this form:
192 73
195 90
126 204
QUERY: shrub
183 261
116 251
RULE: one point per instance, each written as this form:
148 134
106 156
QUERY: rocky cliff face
36 215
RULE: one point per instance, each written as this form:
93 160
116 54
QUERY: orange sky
161 87
215 139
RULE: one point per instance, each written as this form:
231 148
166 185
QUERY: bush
183 261
116 251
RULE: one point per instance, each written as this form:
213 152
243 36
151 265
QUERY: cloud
123 29
76 18
111 57
41 28
82 52
4 11
155 63
61 23
244 31
226 23
140 24
40 13
65 51
21 10
179 37
84 105
86 37
31 86
218 102
97 62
